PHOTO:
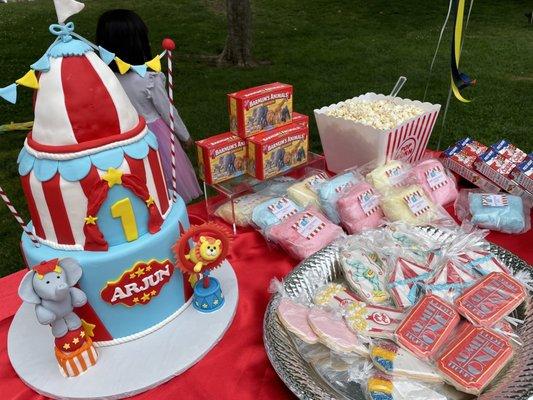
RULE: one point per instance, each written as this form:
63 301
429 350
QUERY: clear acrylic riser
217 194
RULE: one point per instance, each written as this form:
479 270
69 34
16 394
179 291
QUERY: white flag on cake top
67 8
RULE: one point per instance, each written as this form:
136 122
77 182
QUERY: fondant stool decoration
210 247
50 286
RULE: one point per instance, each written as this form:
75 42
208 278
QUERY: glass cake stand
217 194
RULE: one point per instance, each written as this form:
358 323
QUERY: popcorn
381 114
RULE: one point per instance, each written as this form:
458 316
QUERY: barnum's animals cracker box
221 157
274 152
260 108
301 119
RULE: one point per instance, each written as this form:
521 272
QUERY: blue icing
73 47
44 170
101 267
263 217
137 150
25 161
330 191
106 55
76 169
42 64
151 140
380 396
111 158
386 364
508 218
111 227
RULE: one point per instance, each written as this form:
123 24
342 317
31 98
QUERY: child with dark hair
124 33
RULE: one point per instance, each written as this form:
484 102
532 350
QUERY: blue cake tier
133 286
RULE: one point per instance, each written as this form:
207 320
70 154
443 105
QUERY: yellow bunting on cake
154 64
29 80
122 66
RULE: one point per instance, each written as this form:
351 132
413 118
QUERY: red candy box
491 299
427 326
476 356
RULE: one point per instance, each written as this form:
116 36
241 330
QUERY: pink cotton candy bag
359 208
304 233
432 175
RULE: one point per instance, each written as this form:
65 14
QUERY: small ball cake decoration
210 248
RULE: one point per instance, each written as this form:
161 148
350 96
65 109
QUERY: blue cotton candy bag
331 191
273 211
499 212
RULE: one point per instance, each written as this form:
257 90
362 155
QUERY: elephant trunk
61 291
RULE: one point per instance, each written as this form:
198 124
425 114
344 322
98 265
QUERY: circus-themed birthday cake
95 189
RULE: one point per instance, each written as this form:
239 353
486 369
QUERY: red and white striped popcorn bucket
350 144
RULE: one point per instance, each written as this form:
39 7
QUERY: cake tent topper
66 9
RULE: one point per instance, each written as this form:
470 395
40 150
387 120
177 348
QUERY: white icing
150 183
42 208
52 124
127 115
76 207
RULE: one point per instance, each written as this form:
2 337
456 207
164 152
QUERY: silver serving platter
515 383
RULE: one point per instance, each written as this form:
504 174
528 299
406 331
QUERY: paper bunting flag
123 67
9 93
66 9
106 55
155 64
140 69
29 80
42 64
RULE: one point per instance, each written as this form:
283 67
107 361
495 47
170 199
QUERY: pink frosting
351 212
334 332
301 243
294 318
441 193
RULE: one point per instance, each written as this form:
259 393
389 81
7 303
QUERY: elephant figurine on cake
50 286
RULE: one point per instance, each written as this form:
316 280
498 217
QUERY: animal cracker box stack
274 152
221 157
260 108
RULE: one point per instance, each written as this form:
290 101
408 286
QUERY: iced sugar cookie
491 299
474 359
427 327
333 332
364 276
380 386
481 261
404 280
293 316
388 357
335 296
450 281
372 320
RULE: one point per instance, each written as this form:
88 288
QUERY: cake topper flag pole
67 8
17 216
168 45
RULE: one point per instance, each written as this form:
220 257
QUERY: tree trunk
237 50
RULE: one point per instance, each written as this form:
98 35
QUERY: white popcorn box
349 144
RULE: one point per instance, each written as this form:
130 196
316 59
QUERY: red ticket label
427 327
491 299
475 358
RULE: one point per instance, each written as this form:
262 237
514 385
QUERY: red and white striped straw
168 45
17 216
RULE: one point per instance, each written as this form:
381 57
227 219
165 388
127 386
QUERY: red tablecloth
237 368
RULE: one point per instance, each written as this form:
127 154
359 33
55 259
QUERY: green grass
329 50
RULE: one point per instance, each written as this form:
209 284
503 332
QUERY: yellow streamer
154 64
123 67
29 80
457 48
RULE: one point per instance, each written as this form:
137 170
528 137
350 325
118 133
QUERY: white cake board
125 369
